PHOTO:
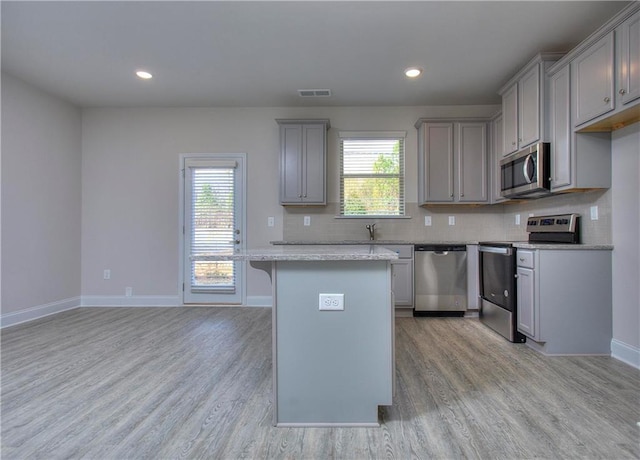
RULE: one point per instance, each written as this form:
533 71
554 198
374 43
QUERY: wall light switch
307 221
271 221
452 220
594 213
427 221
517 219
106 274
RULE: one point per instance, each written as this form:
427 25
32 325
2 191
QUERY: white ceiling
251 54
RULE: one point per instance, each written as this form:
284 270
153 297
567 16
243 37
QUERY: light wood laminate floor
115 383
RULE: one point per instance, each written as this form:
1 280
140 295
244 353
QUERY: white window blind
212 224
372 175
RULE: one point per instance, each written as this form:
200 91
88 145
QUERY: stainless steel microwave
525 174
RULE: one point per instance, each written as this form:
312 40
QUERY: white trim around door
212 218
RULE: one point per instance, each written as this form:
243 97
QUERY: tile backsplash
492 222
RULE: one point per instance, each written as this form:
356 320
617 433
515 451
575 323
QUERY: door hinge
182 287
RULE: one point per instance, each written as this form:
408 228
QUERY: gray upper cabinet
452 161
472 160
578 160
628 36
593 81
605 75
435 163
560 114
494 160
524 103
510 120
303 153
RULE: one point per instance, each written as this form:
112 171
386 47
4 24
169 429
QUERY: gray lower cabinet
402 276
564 300
303 153
452 161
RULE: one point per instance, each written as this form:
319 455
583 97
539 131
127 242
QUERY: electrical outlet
307 221
106 274
427 221
128 291
331 302
594 213
271 221
452 220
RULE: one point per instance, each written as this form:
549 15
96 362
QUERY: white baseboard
259 301
39 311
626 353
132 301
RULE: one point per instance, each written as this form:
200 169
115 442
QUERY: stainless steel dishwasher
440 279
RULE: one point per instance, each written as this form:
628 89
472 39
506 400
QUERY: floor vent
314 92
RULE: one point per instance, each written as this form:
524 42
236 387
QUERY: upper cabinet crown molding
605 74
603 30
551 57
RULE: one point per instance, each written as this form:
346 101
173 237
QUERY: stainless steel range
498 307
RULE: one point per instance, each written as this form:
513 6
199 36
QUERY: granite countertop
553 246
308 252
516 244
367 242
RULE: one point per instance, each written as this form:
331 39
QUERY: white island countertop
305 252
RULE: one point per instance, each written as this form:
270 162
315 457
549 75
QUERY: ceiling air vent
314 92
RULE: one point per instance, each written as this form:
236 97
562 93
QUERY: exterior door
212 223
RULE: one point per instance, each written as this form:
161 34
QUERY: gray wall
130 183
41 159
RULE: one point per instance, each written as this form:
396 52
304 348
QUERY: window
372 174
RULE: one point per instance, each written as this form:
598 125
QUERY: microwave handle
525 168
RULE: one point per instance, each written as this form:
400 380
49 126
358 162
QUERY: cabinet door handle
622 91
607 99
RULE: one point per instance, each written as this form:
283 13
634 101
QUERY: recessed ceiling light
144 75
413 72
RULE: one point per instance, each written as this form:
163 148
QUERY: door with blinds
213 223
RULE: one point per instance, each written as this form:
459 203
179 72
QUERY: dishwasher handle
496 250
440 249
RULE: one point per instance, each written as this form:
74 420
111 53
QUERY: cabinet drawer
525 259
403 251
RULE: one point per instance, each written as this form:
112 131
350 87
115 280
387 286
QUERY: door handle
525 168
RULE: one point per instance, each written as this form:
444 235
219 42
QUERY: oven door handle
496 250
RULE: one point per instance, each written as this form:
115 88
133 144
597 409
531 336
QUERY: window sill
372 217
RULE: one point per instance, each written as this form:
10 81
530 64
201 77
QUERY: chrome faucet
372 231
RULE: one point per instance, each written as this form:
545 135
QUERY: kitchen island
333 339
